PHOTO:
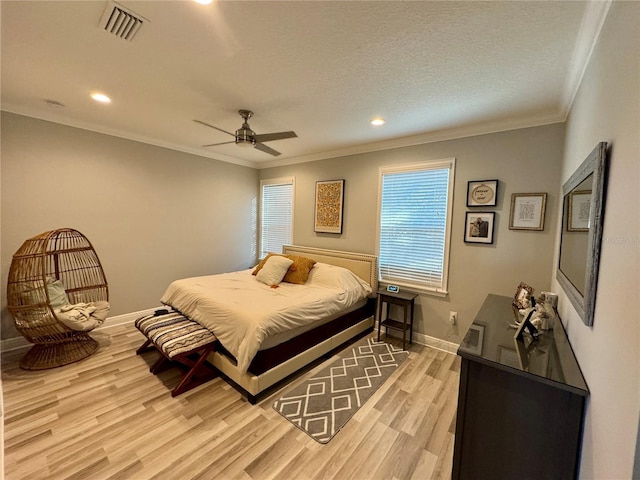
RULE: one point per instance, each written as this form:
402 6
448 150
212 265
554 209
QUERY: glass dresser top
549 359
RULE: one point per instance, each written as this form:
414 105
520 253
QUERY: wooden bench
180 340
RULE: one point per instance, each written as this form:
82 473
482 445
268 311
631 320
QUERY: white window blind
276 215
415 211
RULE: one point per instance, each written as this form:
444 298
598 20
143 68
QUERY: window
415 224
276 214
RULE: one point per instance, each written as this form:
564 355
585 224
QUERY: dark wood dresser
520 403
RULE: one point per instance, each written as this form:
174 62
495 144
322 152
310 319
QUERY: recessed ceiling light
100 97
377 121
203 2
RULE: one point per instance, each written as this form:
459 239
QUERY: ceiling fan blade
265 149
214 144
269 137
216 128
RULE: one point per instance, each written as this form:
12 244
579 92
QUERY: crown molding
593 20
125 135
424 138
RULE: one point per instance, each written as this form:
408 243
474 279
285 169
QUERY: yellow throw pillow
299 271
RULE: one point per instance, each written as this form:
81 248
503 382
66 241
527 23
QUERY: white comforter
242 312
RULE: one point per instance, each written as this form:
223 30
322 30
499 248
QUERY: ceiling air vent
121 22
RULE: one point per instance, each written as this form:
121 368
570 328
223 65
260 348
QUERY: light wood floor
108 417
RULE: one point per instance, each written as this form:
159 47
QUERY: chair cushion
57 293
83 317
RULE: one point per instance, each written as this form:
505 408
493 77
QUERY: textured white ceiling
322 68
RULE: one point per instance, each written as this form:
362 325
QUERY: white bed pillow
274 270
337 277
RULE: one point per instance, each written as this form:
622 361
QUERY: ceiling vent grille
121 22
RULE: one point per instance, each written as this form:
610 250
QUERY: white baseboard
427 341
14 344
436 343
21 342
419 338
127 318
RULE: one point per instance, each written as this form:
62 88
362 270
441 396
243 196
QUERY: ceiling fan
244 136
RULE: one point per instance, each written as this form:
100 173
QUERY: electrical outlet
453 317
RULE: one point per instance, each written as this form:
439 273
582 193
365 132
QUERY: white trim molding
21 342
419 338
427 341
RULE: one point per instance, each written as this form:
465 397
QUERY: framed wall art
329 206
478 227
482 193
579 211
527 211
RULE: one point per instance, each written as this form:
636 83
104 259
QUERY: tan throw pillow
274 270
299 271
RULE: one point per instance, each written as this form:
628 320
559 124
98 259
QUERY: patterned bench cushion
173 333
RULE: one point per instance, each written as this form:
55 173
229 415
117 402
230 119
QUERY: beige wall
525 160
152 214
607 108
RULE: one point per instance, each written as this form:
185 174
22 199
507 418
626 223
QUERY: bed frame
301 351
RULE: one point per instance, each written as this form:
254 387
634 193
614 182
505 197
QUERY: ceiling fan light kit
245 137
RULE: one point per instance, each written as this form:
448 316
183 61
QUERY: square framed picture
527 211
329 205
478 227
482 193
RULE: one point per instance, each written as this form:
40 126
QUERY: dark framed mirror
581 232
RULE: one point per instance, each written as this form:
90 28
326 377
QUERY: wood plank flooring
107 417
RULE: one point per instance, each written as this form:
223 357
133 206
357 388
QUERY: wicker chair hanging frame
66 255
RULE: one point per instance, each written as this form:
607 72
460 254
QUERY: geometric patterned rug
324 403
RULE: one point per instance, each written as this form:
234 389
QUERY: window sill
415 289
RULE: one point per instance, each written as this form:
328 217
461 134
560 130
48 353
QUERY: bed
301 322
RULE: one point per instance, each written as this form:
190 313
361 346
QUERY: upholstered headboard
362 264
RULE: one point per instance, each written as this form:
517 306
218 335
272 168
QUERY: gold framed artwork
329 206
527 211
482 193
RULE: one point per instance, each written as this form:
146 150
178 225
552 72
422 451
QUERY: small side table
404 300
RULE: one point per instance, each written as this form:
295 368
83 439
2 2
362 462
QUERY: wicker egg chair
68 256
